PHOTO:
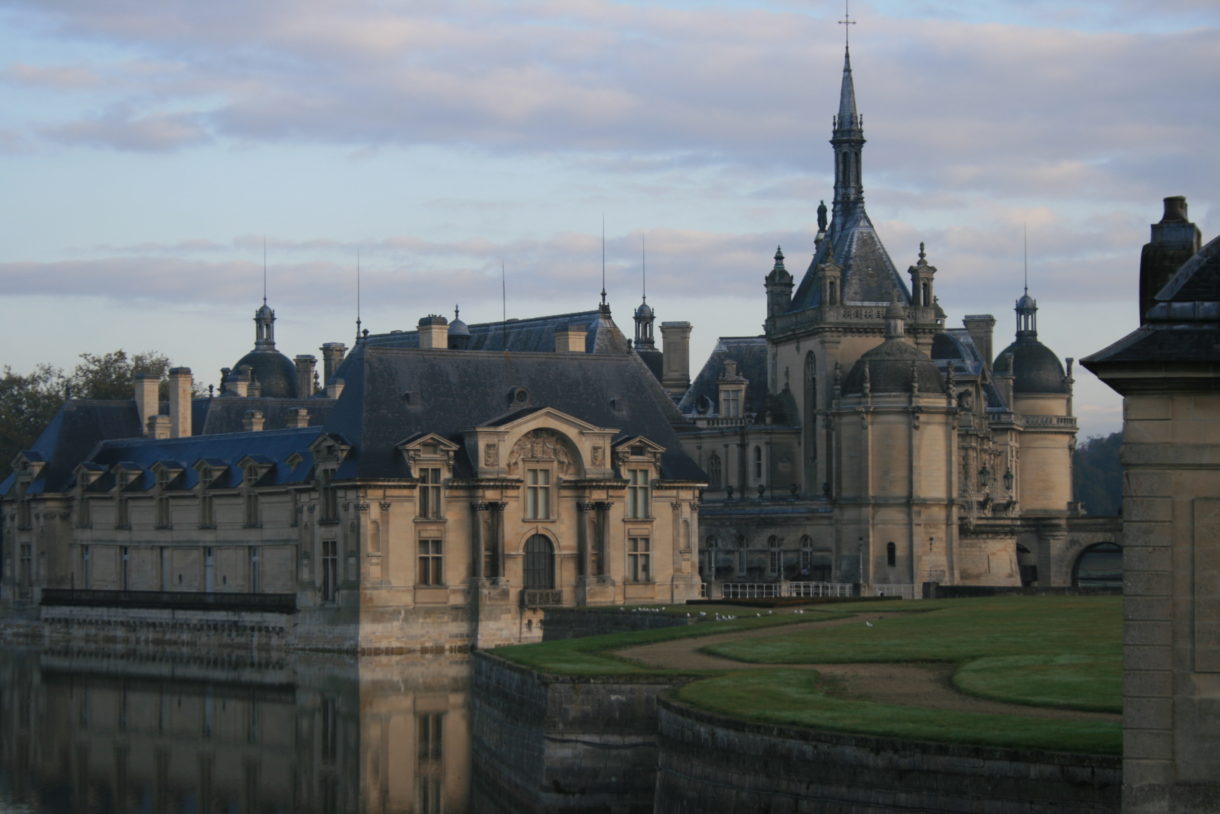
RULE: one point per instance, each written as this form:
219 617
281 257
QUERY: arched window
539 564
1099 566
891 554
713 470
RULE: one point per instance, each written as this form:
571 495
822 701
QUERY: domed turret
894 366
1034 367
273 371
459 332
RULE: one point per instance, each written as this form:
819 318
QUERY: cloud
120 129
55 76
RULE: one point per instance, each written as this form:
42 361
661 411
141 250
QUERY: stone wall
556 743
562 623
710 763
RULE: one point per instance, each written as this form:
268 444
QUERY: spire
644 316
848 142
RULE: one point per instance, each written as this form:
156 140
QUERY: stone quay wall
711 763
563 744
573 623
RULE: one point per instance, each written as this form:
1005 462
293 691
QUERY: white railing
810 590
749 590
774 590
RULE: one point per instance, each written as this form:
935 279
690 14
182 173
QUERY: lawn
1061 652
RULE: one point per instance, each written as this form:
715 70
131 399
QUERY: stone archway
1098 566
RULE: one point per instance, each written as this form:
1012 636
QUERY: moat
92 732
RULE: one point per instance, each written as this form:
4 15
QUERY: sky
149 151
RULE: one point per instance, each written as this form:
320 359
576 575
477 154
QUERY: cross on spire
845 22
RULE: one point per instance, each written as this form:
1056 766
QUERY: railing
170 600
774 590
904 590
541 598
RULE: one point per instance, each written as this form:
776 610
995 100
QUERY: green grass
1042 651
592 655
802 698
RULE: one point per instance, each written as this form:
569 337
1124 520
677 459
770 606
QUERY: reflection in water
290 733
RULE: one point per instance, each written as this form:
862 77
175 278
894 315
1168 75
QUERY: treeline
1097 475
28 402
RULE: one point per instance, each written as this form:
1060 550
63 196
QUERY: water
191 733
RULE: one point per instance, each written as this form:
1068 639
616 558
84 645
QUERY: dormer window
639 495
430 459
252 519
430 495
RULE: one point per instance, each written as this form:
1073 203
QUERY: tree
29 402
1097 475
110 375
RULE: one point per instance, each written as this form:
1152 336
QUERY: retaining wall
711 763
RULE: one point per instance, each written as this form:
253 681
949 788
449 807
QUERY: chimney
334 388
570 339
148 401
253 421
980 326
332 357
1174 241
675 345
305 367
433 333
238 383
158 427
180 381
298 417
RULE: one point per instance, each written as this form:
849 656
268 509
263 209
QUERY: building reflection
292 733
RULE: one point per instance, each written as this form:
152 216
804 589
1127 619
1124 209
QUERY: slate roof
75 430
225 414
892 366
956 346
533 335
750 354
394 393
1034 367
1182 326
869 276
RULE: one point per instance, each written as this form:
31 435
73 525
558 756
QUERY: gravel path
923 684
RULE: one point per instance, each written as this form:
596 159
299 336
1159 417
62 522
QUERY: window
731 403
430 492
84 517
806 554
775 559
86 568
251 498
537 494
122 518
639 559
431 736
163 516
713 470
891 554
638 497
431 563
328 497
330 570
758 463
429 761
25 518
123 559
255 576
207 512
539 563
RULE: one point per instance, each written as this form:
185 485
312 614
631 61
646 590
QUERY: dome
644 311
275 373
891 367
1034 367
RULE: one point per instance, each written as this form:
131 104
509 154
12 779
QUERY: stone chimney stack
253 421
433 333
332 357
298 418
570 339
306 364
148 400
180 382
158 427
238 383
675 345
1174 241
334 388
980 327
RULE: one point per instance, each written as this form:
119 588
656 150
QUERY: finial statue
822 216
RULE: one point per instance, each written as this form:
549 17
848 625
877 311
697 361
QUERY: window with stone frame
775 555
431 497
164 477
255 583
122 513
25 565
330 570
84 513
538 494
639 559
714 471
639 494
431 563
328 497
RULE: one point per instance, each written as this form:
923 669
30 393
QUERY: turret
779 286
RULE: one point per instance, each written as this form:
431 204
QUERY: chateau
435 489
861 440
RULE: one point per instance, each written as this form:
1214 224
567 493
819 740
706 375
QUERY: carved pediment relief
544 446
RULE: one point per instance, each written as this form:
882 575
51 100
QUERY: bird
868 623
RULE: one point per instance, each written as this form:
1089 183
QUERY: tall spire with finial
847 139
604 307
357 295
264 317
1027 306
644 316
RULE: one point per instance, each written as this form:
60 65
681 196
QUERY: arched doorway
539 564
1099 566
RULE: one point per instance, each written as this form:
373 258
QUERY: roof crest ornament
845 22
